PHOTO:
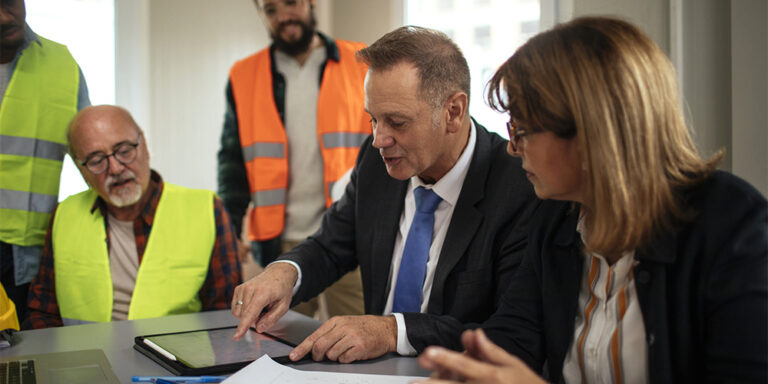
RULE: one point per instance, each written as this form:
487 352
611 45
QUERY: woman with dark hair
646 264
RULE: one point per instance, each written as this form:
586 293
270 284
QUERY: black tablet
210 351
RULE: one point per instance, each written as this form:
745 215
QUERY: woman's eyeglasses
515 134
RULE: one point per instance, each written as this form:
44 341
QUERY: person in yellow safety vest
41 89
168 249
8 319
294 123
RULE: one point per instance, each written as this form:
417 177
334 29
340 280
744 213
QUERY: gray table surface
116 339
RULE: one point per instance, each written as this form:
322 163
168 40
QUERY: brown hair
442 68
604 83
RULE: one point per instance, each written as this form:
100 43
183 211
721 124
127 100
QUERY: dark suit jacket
482 249
703 290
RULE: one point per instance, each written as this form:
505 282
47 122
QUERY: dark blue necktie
413 266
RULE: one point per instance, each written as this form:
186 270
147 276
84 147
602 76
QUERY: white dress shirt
448 188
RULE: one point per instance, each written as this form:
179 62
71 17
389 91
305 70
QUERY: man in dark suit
436 218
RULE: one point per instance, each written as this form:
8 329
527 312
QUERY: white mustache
125 175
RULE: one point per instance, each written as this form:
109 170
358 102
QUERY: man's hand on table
350 338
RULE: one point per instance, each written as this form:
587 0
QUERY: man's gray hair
442 68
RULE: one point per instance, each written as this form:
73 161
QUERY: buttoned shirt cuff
404 347
298 280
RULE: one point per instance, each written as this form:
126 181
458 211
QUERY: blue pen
178 379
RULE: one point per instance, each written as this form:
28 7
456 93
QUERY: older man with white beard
122 247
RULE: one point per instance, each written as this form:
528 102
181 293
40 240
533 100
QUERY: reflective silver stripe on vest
25 146
68 322
27 201
263 150
268 197
344 139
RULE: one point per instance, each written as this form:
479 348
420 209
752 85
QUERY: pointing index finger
251 312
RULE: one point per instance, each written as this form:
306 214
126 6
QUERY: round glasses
125 153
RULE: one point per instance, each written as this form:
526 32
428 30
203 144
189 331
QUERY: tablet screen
199 349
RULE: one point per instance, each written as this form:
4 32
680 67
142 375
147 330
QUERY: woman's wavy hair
604 83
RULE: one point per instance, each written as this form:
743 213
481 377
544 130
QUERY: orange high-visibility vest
342 125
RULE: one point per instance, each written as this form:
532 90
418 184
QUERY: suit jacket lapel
565 264
466 218
387 221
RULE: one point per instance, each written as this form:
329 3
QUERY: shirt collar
449 186
331 49
155 188
29 37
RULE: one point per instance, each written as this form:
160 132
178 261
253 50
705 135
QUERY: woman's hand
482 362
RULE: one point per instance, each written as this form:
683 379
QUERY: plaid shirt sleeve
224 270
42 307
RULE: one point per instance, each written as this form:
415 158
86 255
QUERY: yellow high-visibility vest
172 270
8 318
39 103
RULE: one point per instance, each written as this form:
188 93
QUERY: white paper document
266 371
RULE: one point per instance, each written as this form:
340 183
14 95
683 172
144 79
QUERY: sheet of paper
266 371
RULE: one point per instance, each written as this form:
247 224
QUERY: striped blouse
609 335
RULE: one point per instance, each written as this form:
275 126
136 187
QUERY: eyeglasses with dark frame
515 134
125 153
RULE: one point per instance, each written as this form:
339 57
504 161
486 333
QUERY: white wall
749 68
364 20
172 62
650 15
173 57
706 69
720 50
132 73
193 43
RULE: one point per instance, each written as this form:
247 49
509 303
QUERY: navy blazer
484 245
702 288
